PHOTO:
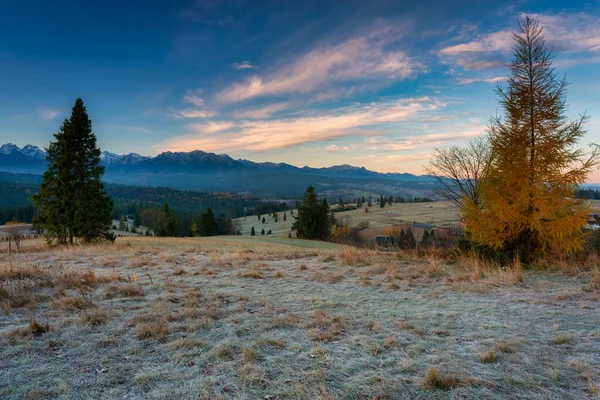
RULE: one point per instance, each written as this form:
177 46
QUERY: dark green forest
16 191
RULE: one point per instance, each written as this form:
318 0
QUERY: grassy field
274 318
440 214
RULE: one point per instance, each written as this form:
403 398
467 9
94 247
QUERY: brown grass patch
33 329
489 356
249 354
94 317
124 290
69 303
252 274
434 380
353 257
158 329
325 327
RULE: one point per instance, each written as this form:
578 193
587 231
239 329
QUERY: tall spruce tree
527 203
72 198
207 224
314 217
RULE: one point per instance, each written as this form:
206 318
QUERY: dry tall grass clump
434 380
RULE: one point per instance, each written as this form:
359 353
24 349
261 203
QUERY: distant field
440 214
274 318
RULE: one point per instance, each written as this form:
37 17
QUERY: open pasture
258 318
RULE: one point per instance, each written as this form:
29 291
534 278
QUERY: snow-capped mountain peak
8 148
33 151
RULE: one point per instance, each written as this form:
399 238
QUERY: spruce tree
207 224
72 199
314 217
252 232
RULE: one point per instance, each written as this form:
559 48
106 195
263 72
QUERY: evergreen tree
207 224
167 224
263 231
252 232
263 220
314 217
72 198
382 202
527 202
370 203
121 223
284 217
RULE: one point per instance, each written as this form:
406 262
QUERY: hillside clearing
249 318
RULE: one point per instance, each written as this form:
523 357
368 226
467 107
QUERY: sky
378 84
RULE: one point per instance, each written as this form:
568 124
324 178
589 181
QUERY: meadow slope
272 318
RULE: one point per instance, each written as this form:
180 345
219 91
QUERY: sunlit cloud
191 97
358 58
415 142
192 113
261 135
569 33
262 112
212 127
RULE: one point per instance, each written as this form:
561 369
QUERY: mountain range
219 172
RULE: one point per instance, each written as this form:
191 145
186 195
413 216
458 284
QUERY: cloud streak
244 65
262 134
569 33
358 58
47 114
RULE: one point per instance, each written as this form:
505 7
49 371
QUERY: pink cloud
262 112
569 33
263 135
358 58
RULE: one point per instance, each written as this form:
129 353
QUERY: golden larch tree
527 203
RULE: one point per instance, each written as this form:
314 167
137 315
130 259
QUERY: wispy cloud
481 53
212 127
415 142
465 81
263 134
244 65
570 33
192 97
364 57
47 114
192 113
130 128
262 112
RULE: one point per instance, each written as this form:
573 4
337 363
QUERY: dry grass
94 317
434 380
124 290
363 324
156 329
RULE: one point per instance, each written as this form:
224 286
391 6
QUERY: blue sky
378 84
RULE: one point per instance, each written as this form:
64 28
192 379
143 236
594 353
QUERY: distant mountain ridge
219 172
